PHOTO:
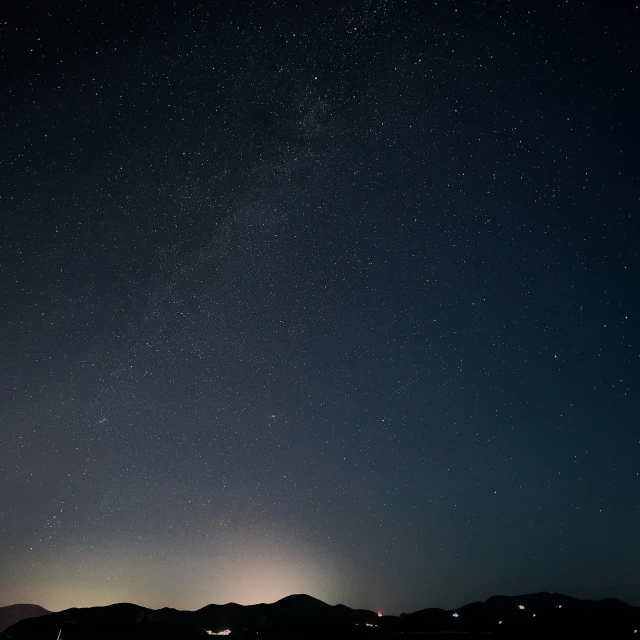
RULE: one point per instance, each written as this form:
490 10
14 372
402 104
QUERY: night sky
328 297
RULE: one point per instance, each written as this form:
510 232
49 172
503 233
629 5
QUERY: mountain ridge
13 613
535 614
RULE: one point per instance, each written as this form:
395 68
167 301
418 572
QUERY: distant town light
558 606
499 621
521 607
456 615
535 614
226 632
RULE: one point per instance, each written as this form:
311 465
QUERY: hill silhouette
16 612
549 615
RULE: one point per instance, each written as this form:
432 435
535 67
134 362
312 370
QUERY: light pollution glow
242 572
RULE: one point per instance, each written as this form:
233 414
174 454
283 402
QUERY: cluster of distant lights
370 624
455 614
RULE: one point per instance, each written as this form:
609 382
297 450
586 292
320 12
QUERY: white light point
455 615
521 607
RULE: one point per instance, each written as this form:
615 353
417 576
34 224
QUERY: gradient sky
328 297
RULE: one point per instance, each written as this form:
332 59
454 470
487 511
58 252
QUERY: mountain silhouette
549 615
301 602
16 612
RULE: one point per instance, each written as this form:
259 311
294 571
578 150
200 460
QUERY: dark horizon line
293 595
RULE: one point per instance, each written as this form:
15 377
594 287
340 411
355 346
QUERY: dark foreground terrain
541 615
16 612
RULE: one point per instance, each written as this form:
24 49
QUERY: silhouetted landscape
16 612
548 615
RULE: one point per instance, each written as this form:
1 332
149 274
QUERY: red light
379 614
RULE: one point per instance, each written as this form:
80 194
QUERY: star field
335 298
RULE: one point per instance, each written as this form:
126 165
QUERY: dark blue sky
339 298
